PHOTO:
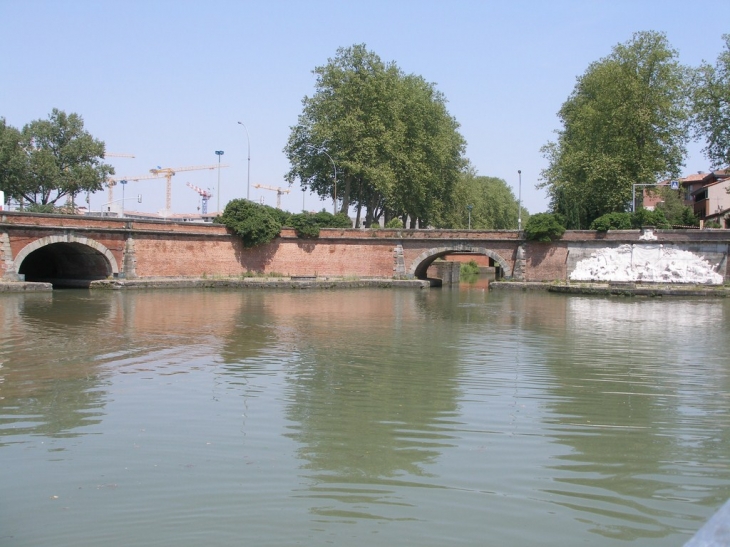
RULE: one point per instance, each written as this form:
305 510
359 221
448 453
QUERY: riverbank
218 283
616 289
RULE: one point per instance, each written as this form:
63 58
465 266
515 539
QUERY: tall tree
395 148
711 107
51 159
625 123
493 205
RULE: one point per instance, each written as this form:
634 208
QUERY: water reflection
629 388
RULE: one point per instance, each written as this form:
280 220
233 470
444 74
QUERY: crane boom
279 192
205 195
169 172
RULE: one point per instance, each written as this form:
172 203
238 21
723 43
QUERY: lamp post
469 208
248 179
124 184
334 203
219 153
304 189
519 201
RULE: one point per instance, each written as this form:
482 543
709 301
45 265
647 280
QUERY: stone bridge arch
420 264
65 257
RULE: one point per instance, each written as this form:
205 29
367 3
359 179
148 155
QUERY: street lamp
519 202
248 180
124 184
219 153
469 208
304 189
334 203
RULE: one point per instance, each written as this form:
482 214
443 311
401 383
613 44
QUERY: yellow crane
279 192
169 172
110 194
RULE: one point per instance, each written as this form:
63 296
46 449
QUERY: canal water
361 417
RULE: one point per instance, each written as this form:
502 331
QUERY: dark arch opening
65 265
421 271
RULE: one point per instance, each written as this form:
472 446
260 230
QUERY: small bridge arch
420 264
61 259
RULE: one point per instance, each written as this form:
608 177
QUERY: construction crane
110 194
279 192
169 172
205 195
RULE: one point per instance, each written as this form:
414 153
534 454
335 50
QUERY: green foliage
307 225
394 223
469 269
544 227
255 223
383 138
41 208
494 206
612 221
282 217
626 122
711 107
50 159
645 217
675 211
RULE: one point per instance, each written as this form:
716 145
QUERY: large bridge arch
420 264
65 257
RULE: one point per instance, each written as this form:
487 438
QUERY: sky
167 81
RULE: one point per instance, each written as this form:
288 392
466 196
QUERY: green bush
40 208
307 225
394 223
544 227
468 269
612 221
645 217
253 222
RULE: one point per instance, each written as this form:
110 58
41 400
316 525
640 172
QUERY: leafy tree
386 136
545 227
626 122
51 159
255 223
494 206
674 209
645 217
711 107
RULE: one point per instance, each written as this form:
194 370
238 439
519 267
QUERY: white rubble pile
648 263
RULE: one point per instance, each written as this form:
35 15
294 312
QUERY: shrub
645 217
307 225
612 221
40 208
253 222
468 269
394 223
544 227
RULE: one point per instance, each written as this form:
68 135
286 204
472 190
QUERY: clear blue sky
168 80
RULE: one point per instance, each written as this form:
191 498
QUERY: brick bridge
48 247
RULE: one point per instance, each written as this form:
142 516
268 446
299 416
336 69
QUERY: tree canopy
51 159
711 107
625 123
493 205
395 148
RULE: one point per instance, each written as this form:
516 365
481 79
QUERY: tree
388 136
51 159
493 205
625 123
711 107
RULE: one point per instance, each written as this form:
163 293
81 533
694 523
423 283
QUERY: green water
360 417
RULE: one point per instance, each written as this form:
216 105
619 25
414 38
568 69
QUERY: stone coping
616 289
